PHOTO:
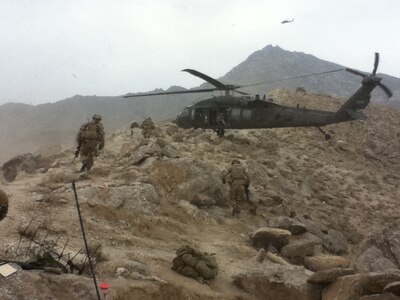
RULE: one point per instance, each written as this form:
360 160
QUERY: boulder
266 236
141 197
27 285
190 176
373 260
293 225
144 152
328 276
170 152
384 296
319 263
335 242
345 288
361 284
393 287
278 282
298 249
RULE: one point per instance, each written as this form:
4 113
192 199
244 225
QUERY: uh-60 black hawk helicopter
244 112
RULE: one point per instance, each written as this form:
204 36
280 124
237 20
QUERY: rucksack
89 131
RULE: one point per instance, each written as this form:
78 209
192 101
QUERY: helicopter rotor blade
387 91
291 78
376 63
219 85
171 93
242 93
356 72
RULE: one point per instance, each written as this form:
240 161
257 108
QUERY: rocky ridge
323 206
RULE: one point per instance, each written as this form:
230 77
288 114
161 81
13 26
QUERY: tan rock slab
324 262
328 276
265 236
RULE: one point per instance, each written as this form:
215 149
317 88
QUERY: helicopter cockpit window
246 114
185 113
235 113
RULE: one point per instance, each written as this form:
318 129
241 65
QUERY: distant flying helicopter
245 112
287 21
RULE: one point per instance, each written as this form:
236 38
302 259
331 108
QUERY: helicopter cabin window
201 115
235 114
246 114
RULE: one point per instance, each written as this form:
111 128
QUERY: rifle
78 149
247 191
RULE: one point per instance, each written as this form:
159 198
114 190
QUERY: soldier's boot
89 165
83 167
235 211
253 211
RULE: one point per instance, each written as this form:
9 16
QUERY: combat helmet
96 117
235 161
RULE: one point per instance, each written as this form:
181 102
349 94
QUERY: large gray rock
200 177
357 285
141 197
388 242
170 152
293 225
299 248
372 260
334 241
393 287
28 285
278 282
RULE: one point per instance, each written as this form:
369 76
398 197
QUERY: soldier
3 205
238 179
147 127
221 124
133 125
90 139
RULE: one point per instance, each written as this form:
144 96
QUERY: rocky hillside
23 127
327 213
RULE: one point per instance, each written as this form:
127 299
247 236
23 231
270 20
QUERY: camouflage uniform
192 263
221 124
238 179
133 125
3 205
90 139
147 127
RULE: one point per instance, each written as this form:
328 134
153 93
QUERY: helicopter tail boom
361 98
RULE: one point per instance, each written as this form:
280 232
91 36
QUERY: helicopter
246 112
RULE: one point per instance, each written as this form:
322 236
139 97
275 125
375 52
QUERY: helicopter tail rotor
387 91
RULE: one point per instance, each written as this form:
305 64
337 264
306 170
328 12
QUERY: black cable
84 239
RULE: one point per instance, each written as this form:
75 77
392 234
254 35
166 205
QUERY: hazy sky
54 49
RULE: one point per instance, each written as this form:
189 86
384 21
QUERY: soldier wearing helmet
90 140
147 128
238 179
